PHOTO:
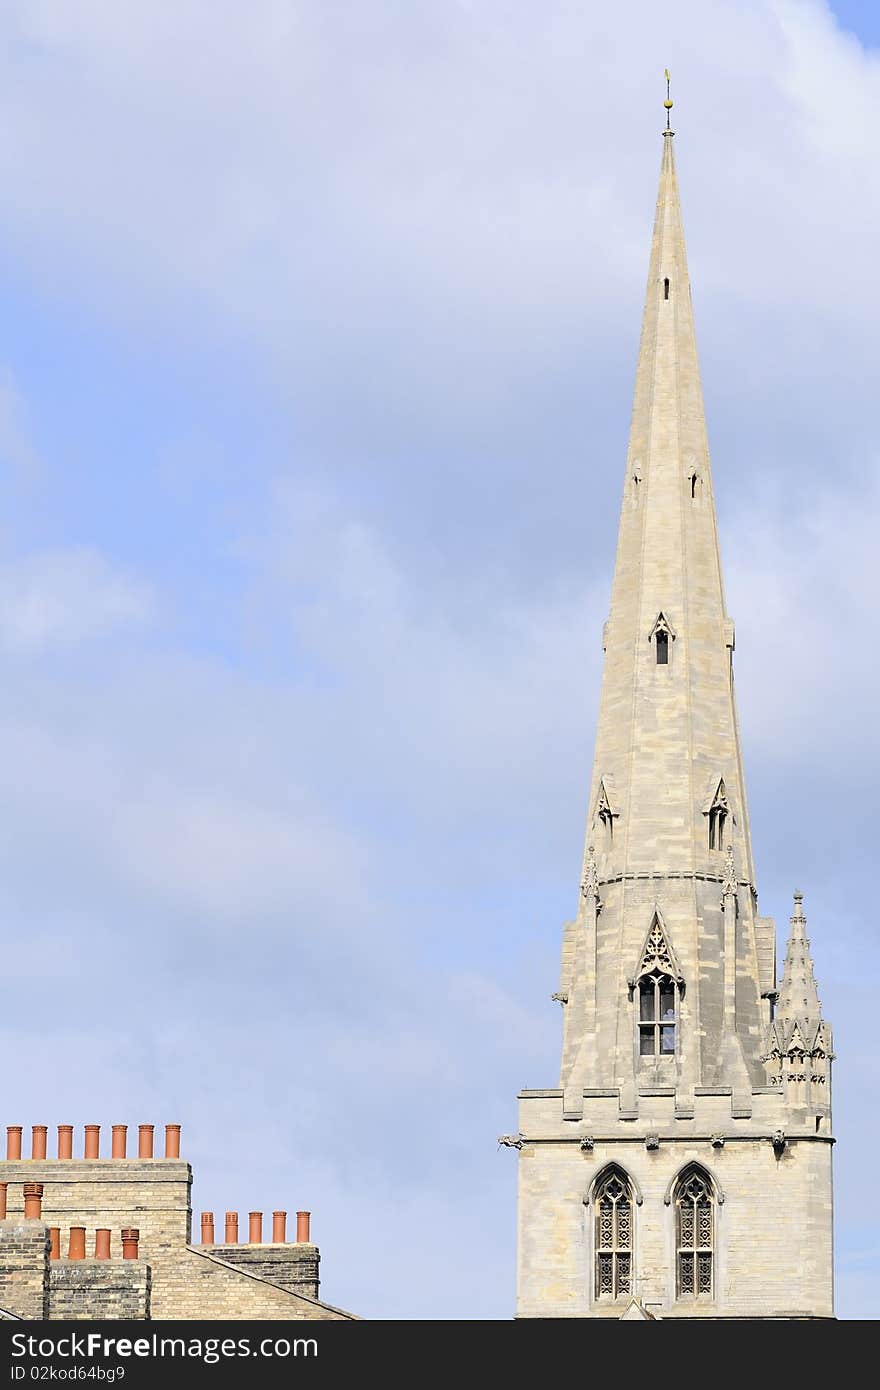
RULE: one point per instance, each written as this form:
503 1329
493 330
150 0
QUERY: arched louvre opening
657 984
657 1015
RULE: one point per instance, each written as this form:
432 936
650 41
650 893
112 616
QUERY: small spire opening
666 287
719 813
662 641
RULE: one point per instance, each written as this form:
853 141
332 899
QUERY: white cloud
803 570
65 597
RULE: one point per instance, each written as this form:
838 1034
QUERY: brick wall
293 1267
199 1284
153 1195
150 1194
84 1289
24 1268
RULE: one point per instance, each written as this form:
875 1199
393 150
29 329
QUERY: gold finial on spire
668 102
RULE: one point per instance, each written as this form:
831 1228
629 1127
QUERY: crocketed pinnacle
799 994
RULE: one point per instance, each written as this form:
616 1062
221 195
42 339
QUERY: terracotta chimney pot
33 1201
130 1237
172 1141
2 1201
255 1228
13 1141
232 1228
76 1248
38 1141
54 1242
102 1243
207 1228
65 1141
93 1143
145 1141
119 1142
303 1220
279 1227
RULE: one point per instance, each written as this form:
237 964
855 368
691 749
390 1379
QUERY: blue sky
316 351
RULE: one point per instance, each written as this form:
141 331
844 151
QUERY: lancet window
614 1236
694 1234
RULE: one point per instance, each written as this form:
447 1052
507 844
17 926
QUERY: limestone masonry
94 1237
682 1167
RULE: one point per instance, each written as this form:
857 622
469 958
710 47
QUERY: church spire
667 818
685 1156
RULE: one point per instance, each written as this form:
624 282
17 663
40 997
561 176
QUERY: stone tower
682 1168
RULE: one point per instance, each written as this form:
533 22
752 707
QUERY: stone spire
667 742
668 821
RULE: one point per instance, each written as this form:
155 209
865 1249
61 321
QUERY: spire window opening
717 822
666 288
719 814
657 1015
605 814
661 634
656 989
694 480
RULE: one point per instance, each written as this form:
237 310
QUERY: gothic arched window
606 813
661 634
694 1234
657 985
719 811
657 1015
613 1225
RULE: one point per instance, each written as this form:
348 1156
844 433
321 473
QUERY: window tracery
614 1245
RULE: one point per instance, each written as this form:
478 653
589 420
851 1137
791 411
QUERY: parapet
702 1113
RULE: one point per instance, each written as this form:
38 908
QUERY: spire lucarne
679 1094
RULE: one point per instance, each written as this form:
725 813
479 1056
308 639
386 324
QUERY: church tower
682 1167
